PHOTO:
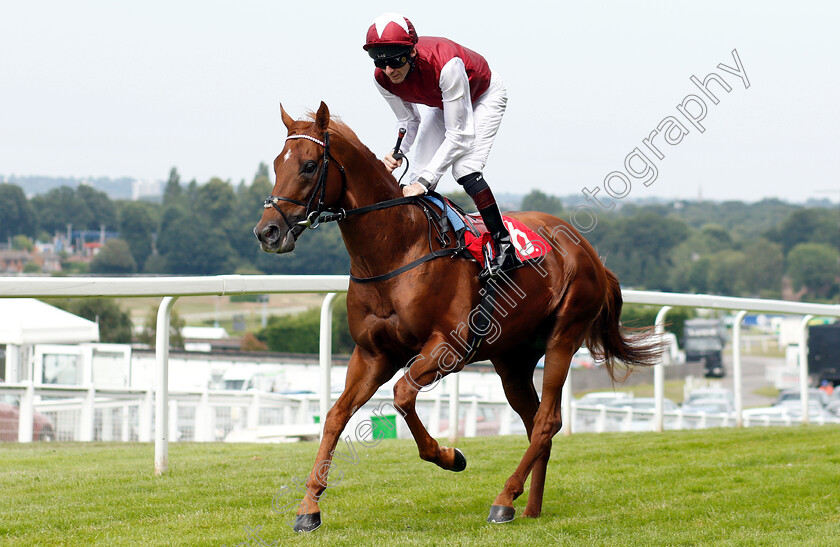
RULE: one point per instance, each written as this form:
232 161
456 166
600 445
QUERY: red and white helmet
390 29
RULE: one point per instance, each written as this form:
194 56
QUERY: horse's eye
308 168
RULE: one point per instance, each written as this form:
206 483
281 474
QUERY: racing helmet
390 35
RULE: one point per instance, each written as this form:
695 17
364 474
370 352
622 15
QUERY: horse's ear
287 120
322 118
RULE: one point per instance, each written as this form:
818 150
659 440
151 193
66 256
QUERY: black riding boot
505 258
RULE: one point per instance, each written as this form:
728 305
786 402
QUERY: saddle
475 239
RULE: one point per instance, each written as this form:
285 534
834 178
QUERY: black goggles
393 62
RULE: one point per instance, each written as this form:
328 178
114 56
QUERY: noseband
313 215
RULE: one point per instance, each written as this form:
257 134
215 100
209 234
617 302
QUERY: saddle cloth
528 244
477 239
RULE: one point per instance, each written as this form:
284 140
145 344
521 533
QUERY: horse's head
308 182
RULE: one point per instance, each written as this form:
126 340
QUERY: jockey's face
397 75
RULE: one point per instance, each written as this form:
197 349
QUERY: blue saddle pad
454 219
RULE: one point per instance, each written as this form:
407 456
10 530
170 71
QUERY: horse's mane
342 129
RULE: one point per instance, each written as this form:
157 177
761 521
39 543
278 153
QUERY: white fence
114 414
172 288
79 414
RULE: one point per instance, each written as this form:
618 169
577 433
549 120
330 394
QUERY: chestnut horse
418 317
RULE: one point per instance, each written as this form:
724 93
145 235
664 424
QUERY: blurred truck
703 340
824 353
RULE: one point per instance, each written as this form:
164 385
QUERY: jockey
467 103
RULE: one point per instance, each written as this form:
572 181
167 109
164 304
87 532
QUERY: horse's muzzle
274 239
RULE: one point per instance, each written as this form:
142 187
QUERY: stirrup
503 261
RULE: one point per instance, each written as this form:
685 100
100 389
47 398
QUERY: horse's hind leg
516 369
436 360
547 423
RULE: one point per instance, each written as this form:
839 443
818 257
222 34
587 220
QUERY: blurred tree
249 208
806 226
300 333
717 237
638 248
114 323
194 244
58 208
763 269
262 172
103 211
538 201
462 200
155 264
726 273
698 277
215 200
637 316
148 335
22 243
190 194
815 267
84 207
113 258
172 192
137 221
16 213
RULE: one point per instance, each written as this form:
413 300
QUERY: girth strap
409 266
487 304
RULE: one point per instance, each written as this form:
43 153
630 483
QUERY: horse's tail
607 341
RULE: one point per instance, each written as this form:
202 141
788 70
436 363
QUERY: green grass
773 486
207 306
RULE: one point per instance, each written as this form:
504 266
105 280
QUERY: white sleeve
458 121
408 117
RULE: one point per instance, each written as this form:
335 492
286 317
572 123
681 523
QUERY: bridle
313 215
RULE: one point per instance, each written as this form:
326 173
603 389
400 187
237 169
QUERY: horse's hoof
460 461
501 513
307 522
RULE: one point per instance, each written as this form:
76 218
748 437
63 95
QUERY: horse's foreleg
547 423
365 375
427 368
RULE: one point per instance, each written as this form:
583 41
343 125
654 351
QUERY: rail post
88 414
566 405
162 385
659 375
27 412
803 366
325 357
736 368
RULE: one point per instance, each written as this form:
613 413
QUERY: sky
132 89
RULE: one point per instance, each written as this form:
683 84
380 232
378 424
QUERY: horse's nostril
269 234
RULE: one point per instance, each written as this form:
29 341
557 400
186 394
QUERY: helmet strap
411 59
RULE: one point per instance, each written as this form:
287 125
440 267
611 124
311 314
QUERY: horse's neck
380 241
